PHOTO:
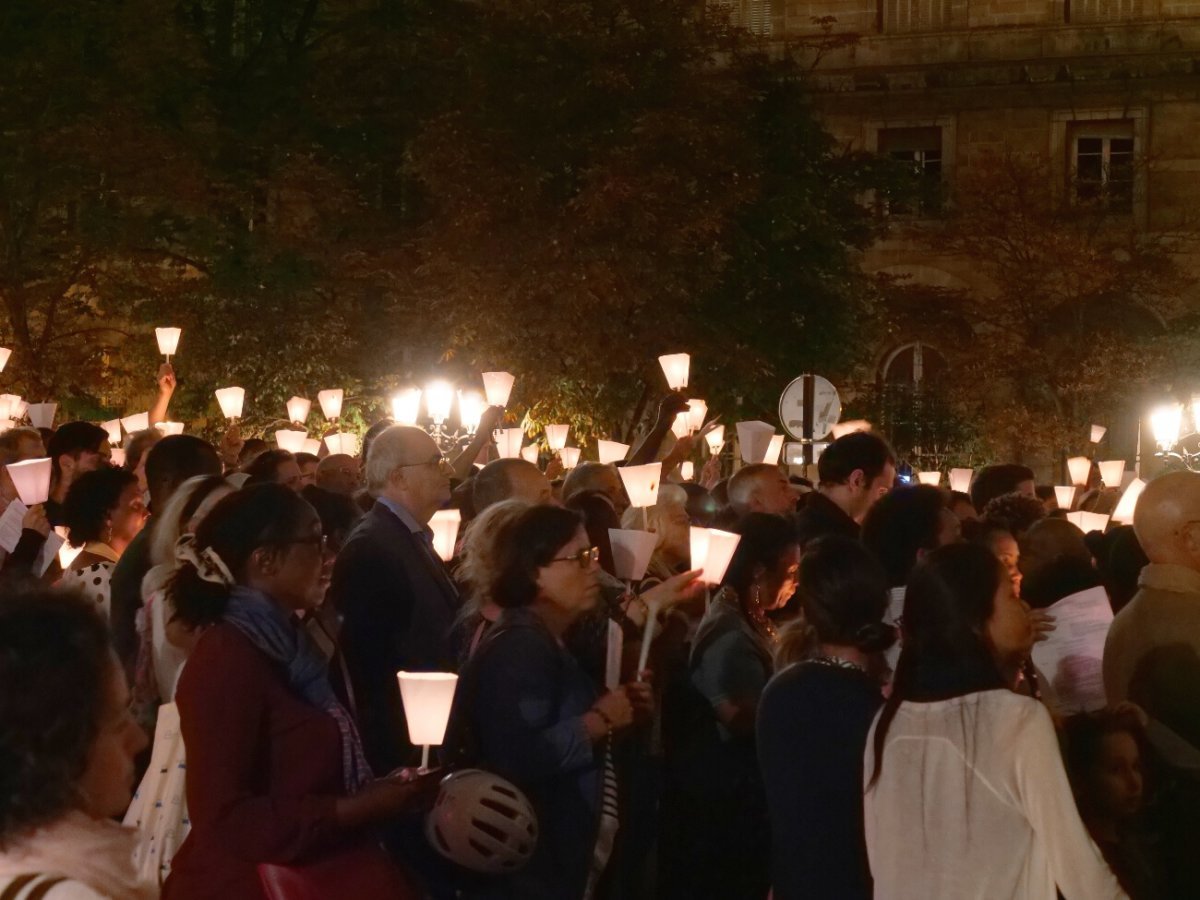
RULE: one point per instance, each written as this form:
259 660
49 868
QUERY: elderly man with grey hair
395 596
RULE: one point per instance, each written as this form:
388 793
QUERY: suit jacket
398 606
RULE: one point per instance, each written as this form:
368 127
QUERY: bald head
339 473
1167 519
600 478
510 479
761 488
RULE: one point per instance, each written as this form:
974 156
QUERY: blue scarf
284 641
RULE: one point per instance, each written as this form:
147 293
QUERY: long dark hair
843 592
765 538
262 515
535 538
946 652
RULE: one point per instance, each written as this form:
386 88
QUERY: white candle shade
445 524
530 453
1088 521
556 436
677 367
406 406
168 340
611 451
497 386
5 353
1128 502
1098 432
292 441
687 470
680 427
641 483
117 455
933 478
313 446
231 400
135 423
19 409
508 442
1079 468
1111 472
754 439
960 480
427 698
8 405
113 427
1065 495
470 409
1165 422
298 409
793 453
715 440
774 450
711 551
631 552
697 411
439 397
31 478
331 402
569 457
169 428
41 415
343 443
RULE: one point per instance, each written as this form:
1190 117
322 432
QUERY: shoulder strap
41 886
16 886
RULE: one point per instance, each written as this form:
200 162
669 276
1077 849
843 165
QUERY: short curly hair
91 499
1013 512
54 658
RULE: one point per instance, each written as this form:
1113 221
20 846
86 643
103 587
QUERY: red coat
264 769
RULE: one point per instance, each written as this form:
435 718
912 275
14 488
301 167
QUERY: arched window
913 365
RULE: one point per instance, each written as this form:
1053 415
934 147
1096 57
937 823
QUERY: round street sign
827 407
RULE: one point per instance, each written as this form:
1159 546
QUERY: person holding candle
715 840
166 388
276 773
18 445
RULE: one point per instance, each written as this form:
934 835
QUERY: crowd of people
204 702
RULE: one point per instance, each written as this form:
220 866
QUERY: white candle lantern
312 446
1064 495
231 400
135 423
5 353
696 413
676 366
611 451
930 478
428 698
1111 472
641 483
439 398
712 550
19 408
687 470
342 443
774 450
1128 502
1098 432
680 427
530 453
331 403
1080 468
470 410
569 457
1165 422
445 524
113 427
556 437
754 439
960 480
298 409
41 415
715 440
406 407
1088 521
168 341
291 441
497 387
117 455
631 552
31 478
508 442
169 428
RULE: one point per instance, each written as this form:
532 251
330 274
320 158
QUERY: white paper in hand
10 525
1071 656
48 553
612 662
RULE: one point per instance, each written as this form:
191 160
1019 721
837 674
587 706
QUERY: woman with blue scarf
277 785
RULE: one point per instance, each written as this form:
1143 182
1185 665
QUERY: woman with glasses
527 711
276 774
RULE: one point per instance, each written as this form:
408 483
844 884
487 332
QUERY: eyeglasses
583 558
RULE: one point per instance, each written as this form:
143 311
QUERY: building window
920 149
915 15
1102 165
913 366
1083 11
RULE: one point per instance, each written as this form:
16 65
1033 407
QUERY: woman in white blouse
966 793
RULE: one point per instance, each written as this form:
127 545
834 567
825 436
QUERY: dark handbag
364 872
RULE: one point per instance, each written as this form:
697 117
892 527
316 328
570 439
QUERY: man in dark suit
396 599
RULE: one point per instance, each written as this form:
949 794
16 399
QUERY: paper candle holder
231 401
754 440
168 340
169 428
19 409
1128 502
677 367
497 387
715 440
960 480
687 470
530 453
298 409
439 398
680 427
31 478
8 405
113 427
1088 521
641 483
631 552
556 437
1064 495
711 551
1098 432
331 402
445 524
931 478
1080 468
1111 472
342 443
611 451
406 406
428 698
697 412
312 446
117 456
508 442
135 423
470 409
5 353
41 415
774 450
292 441
569 457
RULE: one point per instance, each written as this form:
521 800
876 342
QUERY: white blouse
973 802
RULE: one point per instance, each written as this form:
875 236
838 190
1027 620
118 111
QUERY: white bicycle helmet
482 823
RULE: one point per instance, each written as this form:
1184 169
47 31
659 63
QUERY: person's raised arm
672 405
166 388
483 436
